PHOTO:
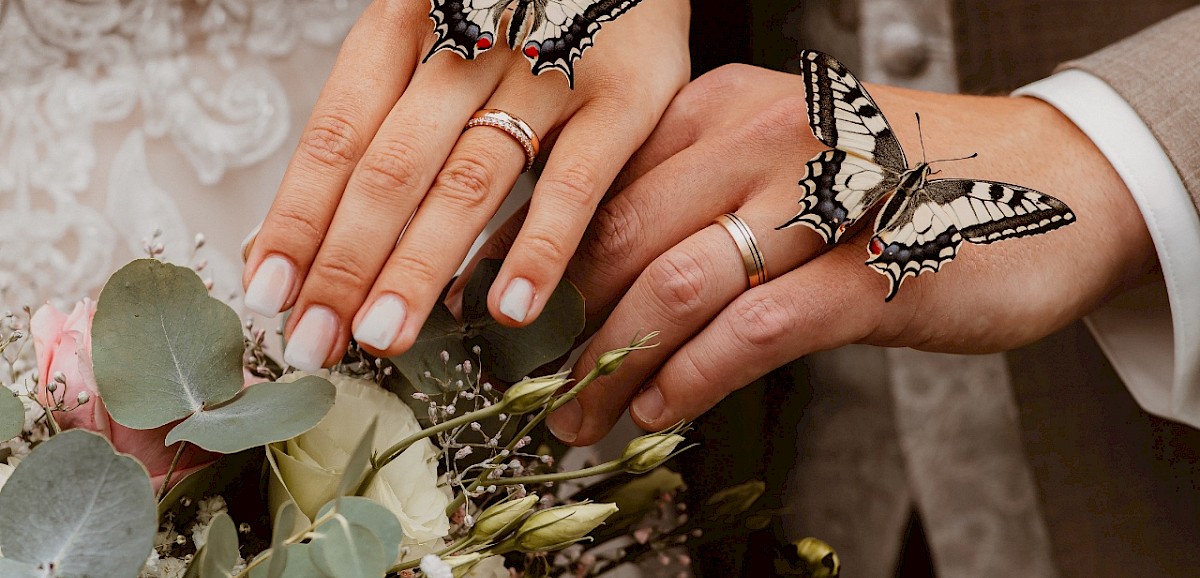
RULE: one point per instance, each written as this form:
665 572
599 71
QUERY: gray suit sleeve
1157 71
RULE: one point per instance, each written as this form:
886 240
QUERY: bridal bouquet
149 434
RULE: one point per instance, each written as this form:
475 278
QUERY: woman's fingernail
648 406
517 299
271 285
382 323
248 242
312 340
565 421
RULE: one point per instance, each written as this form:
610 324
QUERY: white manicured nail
382 323
248 242
270 287
312 340
517 299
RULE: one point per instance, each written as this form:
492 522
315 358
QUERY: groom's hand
737 141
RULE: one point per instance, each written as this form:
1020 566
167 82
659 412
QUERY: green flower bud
645 453
530 394
499 518
611 361
558 527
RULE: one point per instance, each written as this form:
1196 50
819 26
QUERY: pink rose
64 345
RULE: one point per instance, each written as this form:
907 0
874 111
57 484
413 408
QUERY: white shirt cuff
1149 334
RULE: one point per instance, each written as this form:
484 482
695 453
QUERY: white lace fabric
118 117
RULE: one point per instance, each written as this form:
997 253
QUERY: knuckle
342 269
466 183
575 185
716 86
417 270
761 322
330 141
298 222
614 234
543 246
677 283
390 168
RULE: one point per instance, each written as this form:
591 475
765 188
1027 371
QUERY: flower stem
560 401
605 468
162 490
398 448
449 549
294 538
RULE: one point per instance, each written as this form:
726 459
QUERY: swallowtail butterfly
552 34
924 222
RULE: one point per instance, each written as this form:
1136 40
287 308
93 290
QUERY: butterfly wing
564 29
838 189
467 28
924 231
843 116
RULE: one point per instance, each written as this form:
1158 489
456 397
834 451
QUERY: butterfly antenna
966 158
921 136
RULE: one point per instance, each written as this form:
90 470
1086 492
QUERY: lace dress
120 117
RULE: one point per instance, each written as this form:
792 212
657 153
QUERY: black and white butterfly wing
838 189
564 29
843 116
924 231
466 27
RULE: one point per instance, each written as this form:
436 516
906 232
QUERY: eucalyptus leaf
374 517
76 503
12 415
261 414
162 348
220 552
15 569
441 332
299 564
285 519
345 550
511 353
360 460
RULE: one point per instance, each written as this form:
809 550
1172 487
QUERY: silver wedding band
756 269
513 126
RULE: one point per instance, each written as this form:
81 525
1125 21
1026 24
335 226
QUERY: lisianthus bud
530 394
561 526
500 517
611 361
649 451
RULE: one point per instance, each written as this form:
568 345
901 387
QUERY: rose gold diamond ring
515 127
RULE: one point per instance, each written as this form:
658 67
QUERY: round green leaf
162 348
15 569
441 332
511 353
285 519
12 415
374 517
263 413
346 550
299 565
76 503
220 552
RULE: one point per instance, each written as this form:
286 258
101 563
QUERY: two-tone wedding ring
743 237
511 125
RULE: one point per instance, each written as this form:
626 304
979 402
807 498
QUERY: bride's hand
737 141
385 143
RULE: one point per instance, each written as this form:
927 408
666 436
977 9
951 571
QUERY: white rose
5 471
309 466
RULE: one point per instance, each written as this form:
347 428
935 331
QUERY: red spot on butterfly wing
531 50
876 247
484 42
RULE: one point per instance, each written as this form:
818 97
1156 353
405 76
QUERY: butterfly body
551 34
924 221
